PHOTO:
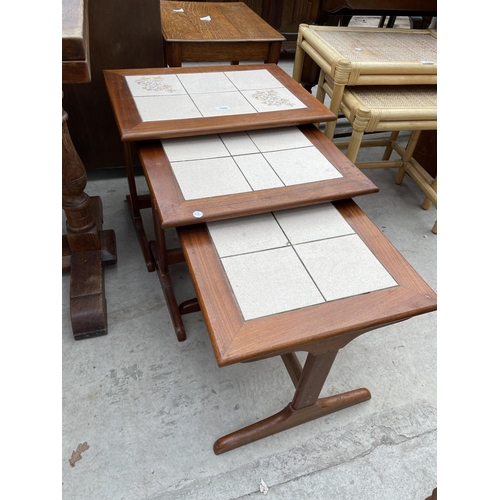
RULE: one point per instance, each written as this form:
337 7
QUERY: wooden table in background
230 32
85 247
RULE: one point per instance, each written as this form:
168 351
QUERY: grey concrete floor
150 408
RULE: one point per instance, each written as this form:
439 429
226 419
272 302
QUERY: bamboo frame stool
366 56
394 109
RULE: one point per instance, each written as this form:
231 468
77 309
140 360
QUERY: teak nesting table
281 258
163 103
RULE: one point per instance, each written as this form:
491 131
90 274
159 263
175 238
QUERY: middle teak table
228 175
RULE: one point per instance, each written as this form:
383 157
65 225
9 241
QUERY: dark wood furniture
85 247
216 32
340 12
121 34
321 329
132 127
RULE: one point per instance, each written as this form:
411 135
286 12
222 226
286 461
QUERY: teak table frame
133 129
320 330
171 210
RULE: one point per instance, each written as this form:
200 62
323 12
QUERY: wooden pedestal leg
86 248
305 405
135 204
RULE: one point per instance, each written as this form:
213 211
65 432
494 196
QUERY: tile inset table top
178 102
298 279
227 175
314 256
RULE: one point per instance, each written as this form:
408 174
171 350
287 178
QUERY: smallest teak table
216 32
306 279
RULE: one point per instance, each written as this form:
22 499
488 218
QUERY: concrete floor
150 408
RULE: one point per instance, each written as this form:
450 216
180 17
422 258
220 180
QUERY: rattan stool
366 56
394 109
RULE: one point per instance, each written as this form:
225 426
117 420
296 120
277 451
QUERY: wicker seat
366 56
391 109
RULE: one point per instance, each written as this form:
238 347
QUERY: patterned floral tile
277 99
155 85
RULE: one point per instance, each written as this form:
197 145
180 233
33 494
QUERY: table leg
135 204
305 406
163 258
86 247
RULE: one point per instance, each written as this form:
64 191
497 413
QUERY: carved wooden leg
305 405
86 248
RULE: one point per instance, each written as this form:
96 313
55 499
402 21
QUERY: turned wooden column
85 247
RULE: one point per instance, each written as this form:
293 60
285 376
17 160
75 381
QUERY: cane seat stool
365 56
392 109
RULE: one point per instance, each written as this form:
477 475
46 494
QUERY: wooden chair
391 109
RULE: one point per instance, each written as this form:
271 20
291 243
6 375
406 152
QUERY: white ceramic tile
207 178
194 148
343 267
278 99
270 282
258 172
201 83
239 143
275 139
222 104
246 234
152 85
253 79
166 108
299 166
316 222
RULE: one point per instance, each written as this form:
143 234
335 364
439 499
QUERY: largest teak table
307 279
164 103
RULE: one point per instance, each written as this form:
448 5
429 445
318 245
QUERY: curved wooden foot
290 417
